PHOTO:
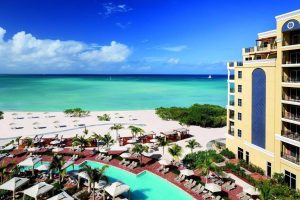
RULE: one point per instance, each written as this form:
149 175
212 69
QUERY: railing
239 63
231 77
293 159
291 116
231 90
288 42
293 98
231 103
231 64
248 50
291 135
290 79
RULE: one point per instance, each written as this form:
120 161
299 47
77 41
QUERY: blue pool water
143 186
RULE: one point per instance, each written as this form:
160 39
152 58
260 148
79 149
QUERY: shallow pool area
143 186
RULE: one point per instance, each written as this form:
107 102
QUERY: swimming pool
143 186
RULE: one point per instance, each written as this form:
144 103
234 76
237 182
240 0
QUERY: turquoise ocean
109 92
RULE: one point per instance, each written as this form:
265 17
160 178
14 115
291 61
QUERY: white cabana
116 189
213 187
125 155
164 162
187 172
13 184
131 141
252 191
61 196
38 190
29 162
153 140
43 168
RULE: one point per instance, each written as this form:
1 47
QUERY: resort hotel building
264 101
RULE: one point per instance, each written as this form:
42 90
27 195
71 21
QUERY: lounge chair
218 198
166 170
246 197
160 168
240 195
126 163
122 162
188 182
197 187
207 195
230 187
133 165
177 178
192 184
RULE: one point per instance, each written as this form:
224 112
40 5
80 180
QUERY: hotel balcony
291 59
291 96
291 114
291 78
231 90
230 132
291 40
231 114
260 49
291 135
232 65
290 152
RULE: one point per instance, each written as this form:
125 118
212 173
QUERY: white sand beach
49 124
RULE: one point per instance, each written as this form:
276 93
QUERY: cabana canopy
13 184
61 196
38 189
29 162
116 189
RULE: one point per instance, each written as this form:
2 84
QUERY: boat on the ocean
209 77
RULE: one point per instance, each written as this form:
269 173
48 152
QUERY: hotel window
240 102
239 133
240 153
247 157
290 179
240 116
239 88
239 74
269 169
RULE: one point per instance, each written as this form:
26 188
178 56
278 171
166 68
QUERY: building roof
288 15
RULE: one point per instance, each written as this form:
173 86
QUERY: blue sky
133 36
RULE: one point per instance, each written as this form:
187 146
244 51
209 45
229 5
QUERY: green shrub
227 153
76 112
1 115
104 117
251 167
194 159
204 115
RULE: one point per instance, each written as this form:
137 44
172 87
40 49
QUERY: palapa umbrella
164 162
125 155
187 172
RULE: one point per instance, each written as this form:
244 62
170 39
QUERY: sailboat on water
209 77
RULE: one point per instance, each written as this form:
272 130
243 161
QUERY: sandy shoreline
147 119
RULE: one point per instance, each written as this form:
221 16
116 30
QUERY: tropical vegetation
162 142
227 153
175 151
80 141
104 117
195 159
135 131
204 115
139 149
192 144
1 115
76 112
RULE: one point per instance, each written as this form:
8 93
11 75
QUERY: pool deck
152 167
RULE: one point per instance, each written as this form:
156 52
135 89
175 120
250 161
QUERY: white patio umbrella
43 168
9 147
13 184
213 187
187 172
100 184
125 155
252 191
38 189
164 162
61 196
116 189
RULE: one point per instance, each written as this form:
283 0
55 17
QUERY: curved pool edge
140 173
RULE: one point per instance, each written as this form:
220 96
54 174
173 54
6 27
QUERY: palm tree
162 142
107 139
140 149
28 141
136 131
85 131
206 165
80 141
94 175
265 188
117 127
56 165
97 137
192 144
176 151
18 140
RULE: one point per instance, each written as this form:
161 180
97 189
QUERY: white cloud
25 50
173 61
175 48
123 25
111 8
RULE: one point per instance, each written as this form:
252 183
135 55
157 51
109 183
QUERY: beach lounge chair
122 162
246 197
230 187
240 195
192 184
177 178
126 163
197 187
188 182
133 165
207 195
166 170
160 168
218 197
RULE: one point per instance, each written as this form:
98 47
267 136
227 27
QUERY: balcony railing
231 64
290 79
292 116
288 42
231 90
240 63
293 98
231 77
249 50
291 135
293 159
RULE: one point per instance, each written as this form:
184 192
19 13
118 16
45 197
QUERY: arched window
259 108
